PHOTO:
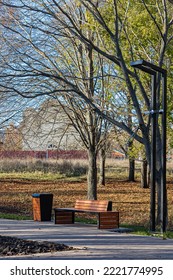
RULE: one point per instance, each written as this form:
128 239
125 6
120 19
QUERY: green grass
14 216
40 176
168 234
140 230
85 220
32 176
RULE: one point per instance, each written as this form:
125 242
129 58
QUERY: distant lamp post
171 1
153 70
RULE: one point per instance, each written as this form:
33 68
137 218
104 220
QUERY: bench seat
106 218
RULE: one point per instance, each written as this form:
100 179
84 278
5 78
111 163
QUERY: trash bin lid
41 194
36 195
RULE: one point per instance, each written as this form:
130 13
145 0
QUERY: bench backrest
94 205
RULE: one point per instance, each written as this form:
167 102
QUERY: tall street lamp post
153 70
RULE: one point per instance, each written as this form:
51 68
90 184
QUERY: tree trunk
144 174
131 170
102 167
92 174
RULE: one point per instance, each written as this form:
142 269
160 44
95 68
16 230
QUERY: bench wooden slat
92 208
93 205
64 217
108 220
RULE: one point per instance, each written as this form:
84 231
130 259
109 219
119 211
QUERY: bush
72 169
67 167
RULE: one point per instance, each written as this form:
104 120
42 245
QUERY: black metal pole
153 155
163 155
152 70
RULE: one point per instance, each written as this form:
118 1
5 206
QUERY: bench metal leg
64 217
108 220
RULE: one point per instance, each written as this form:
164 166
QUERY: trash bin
42 206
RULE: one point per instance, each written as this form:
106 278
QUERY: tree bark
92 174
144 174
131 170
102 167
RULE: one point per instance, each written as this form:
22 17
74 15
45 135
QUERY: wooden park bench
106 218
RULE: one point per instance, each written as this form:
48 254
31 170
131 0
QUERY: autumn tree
12 139
50 61
86 73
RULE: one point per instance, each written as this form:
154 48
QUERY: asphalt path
89 242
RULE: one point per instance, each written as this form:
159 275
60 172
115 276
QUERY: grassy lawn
33 176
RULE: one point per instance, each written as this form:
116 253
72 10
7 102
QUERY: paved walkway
90 242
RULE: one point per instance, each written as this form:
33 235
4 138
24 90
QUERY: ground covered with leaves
10 246
132 201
